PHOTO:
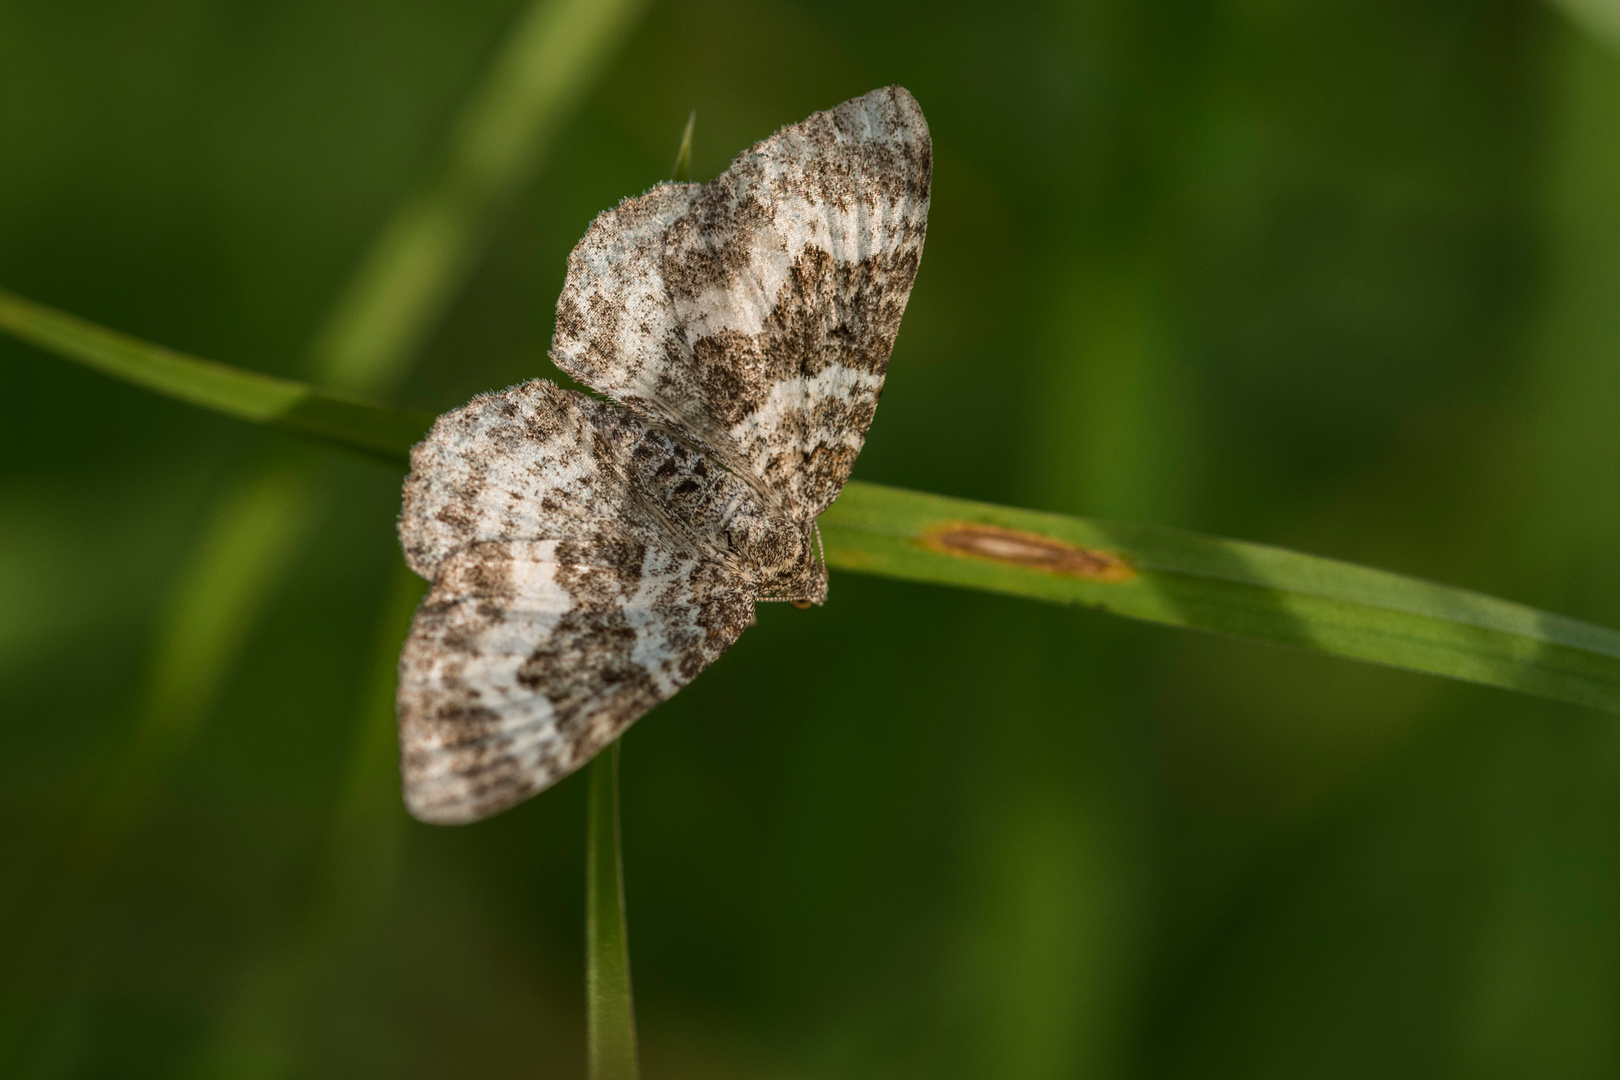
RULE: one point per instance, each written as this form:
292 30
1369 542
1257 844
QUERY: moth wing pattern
589 557
531 463
573 590
528 657
540 462
615 322
784 278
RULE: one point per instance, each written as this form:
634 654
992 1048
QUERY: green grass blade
610 1021
428 248
682 171
263 399
1139 571
1227 586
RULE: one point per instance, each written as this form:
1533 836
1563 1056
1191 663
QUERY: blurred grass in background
1338 276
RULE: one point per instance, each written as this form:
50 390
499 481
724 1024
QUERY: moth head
803 581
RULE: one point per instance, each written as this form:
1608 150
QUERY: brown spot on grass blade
1028 550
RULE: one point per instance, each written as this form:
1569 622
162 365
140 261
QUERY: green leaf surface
294 407
1139 571
1230 587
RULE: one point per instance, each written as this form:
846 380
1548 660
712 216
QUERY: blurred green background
1340 275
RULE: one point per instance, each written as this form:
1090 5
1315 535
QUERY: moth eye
686 487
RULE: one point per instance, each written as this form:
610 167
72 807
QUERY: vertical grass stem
610 1022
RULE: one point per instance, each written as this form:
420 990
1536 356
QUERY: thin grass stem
610 1020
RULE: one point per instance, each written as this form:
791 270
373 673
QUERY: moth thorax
804 583
767 545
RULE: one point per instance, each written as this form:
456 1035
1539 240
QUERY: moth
590 555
